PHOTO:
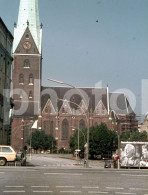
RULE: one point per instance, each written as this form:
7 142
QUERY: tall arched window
21 78
27 36
81 124
30 94
30 79
26 63
51 128
65 129
26 133
21 94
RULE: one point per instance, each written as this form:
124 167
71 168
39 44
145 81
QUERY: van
7 154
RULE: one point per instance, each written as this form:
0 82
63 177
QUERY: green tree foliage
102 141
41 141
134 135
82 140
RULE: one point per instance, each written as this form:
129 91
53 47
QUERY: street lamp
87 117
23 134
31 122
78 128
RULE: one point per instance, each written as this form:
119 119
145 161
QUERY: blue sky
81 51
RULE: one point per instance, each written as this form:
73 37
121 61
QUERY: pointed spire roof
28 17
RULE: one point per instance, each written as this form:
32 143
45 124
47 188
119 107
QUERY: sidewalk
92 163
72 160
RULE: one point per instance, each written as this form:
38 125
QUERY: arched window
27 36
21 94
81 124
30 79
26 63
21 78
46 110
65 129
26 133
30 94
51 128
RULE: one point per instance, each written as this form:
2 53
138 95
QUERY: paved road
61 160
61 181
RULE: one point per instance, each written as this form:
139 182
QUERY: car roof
4 146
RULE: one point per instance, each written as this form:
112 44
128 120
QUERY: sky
93 43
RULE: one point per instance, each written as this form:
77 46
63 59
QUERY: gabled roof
117 101
93 96
100 109
49 104
66 107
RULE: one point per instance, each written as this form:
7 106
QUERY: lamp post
87 117
118 136
78 128
31 122
23 134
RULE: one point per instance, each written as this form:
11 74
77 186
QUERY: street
72 180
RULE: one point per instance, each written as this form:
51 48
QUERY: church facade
57 110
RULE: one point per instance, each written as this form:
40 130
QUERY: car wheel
2 161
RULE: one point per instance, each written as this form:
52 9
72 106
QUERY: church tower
26 74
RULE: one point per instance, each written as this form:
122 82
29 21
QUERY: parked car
7 154
109 164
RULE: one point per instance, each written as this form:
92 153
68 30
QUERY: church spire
28 17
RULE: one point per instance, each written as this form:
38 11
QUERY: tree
102 141
134 135
41 141
73 142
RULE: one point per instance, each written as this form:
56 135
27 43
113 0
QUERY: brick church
57 110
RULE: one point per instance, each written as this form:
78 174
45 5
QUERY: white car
7 154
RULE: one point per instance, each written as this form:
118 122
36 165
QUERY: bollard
118 164
85 162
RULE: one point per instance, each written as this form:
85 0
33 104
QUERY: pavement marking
65 186
138 189
70 191
78 174
14 186
94 192
124 193
2 172
115 188
88 187
14 191
39 186
135 175
42 191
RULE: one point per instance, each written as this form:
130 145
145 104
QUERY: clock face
27 45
